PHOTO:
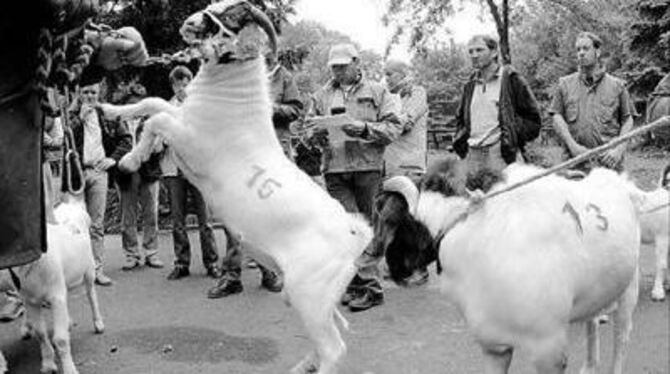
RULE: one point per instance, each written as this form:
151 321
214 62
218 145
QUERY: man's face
90 94
393 79
587 54
179 87
480 55
344 73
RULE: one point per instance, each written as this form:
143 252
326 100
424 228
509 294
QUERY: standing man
286 108
140 189
179 188
353 166
407 154
101 144
498 114
590 107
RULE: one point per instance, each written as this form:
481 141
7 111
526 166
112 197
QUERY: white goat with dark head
226 146
525 264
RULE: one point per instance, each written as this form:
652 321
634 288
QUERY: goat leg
662 243
146 107
623 323
160 127
592 348
35 316
61 335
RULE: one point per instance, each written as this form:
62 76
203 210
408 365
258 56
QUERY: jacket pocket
607 109
571 111
366 109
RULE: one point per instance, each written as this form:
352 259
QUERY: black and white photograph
335 186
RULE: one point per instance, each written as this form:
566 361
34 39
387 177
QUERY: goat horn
264 22
404 186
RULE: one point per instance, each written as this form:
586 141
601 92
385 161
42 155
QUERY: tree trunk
502 25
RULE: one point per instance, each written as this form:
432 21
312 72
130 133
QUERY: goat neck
233 100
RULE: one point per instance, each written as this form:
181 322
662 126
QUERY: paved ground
158 326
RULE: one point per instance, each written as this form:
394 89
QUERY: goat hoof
658 295
129 164
49 368
99 327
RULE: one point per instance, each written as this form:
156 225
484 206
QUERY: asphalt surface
158 326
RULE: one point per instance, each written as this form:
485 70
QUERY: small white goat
655 224
45 283
525 264
226 146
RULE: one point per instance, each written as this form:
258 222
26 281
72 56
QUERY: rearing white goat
226 146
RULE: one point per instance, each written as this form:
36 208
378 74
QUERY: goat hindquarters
315 284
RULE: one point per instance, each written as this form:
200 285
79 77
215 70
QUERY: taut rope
663 121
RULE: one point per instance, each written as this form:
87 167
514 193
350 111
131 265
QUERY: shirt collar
598 74
478 78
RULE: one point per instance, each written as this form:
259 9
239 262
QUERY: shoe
102 280
11 309
131 263
154 262
271 282
368 300
225 287
418 278
213 271
178 272
350 294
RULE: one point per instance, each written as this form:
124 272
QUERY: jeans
95 193
357 191
179 189
146 194
232 261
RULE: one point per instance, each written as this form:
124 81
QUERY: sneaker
154 262
349 295
418 278
102 280
271 282
11 308
225 287
178 272
213 271
368 300
130 264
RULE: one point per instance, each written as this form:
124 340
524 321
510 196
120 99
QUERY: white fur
45 283
655 224
226 146
520 269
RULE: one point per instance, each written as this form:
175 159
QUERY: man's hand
612 157
105 164
125 46
577 150
356 129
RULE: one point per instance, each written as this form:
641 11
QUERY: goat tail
340 318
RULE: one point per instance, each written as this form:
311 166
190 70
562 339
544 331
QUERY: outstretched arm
145 107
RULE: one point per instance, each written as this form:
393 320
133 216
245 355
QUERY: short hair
489 41
180 73
597 42
397 66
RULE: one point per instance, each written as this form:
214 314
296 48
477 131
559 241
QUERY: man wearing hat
366 121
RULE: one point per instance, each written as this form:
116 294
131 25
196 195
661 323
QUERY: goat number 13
266 187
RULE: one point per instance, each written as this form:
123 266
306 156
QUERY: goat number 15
264 186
